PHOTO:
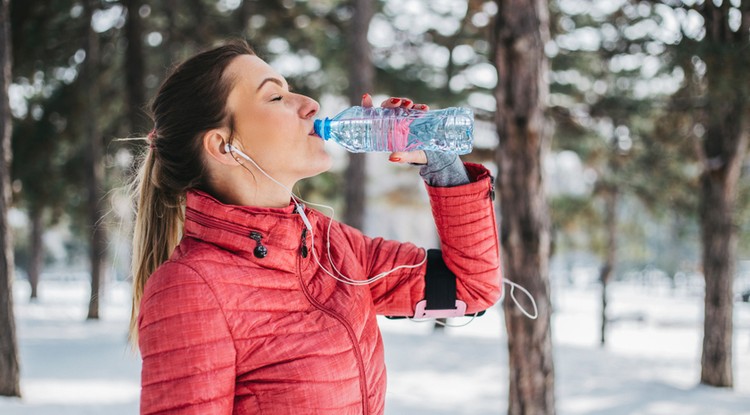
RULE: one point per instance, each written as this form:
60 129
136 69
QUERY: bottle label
399 135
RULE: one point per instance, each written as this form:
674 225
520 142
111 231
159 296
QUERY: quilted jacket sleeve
187 350
465 219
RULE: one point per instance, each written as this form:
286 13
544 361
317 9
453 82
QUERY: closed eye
281 97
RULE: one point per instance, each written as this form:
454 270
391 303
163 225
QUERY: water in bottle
360 129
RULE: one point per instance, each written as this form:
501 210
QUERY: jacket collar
230 226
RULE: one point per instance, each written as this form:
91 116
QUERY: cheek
261 133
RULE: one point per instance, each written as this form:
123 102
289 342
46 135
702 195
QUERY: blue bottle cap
322 128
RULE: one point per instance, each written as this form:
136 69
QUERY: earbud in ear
230 148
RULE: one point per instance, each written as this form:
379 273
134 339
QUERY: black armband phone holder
439 292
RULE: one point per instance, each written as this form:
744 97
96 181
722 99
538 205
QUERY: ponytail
156 232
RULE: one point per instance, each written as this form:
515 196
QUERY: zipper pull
492 188
260 251
303 248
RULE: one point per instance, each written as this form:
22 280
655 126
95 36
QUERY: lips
313 133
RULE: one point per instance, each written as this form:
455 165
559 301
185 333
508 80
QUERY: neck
259 191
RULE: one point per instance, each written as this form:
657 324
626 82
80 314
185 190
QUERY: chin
320 164
325 165
323 159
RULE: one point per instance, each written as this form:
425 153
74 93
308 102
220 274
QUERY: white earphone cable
513 286
347 280
300 210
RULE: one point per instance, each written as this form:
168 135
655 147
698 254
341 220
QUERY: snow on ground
650 366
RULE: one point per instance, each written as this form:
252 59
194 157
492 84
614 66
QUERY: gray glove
443 170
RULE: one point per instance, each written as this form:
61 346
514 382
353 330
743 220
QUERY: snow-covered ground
651 365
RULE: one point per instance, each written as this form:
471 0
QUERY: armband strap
439 291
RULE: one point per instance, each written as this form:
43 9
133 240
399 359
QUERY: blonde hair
156 232
191 101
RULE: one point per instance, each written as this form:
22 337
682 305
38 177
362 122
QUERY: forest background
645 109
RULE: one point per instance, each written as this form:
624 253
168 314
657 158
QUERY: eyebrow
274 80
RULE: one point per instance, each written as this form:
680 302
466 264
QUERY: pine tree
710 114
520 33
9 368
606 111
726 116
361 79
48 66
94 164
135 67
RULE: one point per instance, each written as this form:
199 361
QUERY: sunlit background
618 73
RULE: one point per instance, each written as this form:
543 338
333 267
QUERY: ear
213 144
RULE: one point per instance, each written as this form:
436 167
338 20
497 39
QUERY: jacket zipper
303 249
208 221
352 336
204 220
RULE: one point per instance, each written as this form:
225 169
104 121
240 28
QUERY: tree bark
605 274
520 31
9 368
719 239
134 68
361 79
36 259
725 146
94 164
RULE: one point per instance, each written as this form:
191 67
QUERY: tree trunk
519 35
201 32
36 259
94 165
605 274
361 79
719 254
244 13
9 368
725 146
134 68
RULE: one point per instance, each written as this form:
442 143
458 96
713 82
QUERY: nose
308 107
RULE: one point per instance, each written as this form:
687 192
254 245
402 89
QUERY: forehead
248 72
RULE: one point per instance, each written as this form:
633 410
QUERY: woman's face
273 125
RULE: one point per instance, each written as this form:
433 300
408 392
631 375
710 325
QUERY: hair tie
151 138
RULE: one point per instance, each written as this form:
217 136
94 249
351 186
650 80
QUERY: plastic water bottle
360 129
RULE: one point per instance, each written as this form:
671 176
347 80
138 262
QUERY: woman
233 310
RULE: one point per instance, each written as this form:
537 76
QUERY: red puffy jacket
225 332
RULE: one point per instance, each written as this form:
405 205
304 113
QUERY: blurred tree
9 369
244 12
607 91
44 69
610 195
519 34
709 114
36 248
723 107
94 164
134 68
361 79
435 52
703 58
45 200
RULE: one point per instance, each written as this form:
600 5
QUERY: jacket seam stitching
218 303
350 333
205 372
